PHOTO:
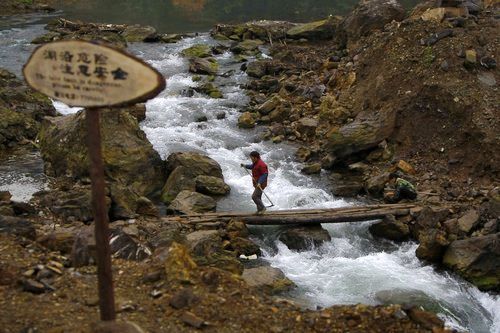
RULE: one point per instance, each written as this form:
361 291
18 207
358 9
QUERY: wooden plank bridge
303 216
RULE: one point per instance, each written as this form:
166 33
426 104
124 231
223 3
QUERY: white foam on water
353 267
64 109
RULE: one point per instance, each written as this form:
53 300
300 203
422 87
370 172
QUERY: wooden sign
80 73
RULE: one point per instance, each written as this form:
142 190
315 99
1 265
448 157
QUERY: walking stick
272 205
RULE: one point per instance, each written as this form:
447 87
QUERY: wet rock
137 33
477 259
192 202
17 227
268 279
204 242
301 238
318 30
5 196
171 38
211 185
22 208
328 161
433 244
220 115
124 246
257 69
371 15
303 154
391 228
247 47
197 51
469 221
210 90
138 111
130 161
244 246
310 169
425 319
208 66
246 120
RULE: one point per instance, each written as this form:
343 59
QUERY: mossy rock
197 51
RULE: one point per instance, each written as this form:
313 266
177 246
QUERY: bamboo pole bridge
303 216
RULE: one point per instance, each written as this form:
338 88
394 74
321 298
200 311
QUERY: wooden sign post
93 76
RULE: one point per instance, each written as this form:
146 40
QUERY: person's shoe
262 211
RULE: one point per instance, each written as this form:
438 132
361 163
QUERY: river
352 268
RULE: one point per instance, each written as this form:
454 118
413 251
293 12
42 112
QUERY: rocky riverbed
360 96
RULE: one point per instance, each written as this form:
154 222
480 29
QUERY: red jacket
259 169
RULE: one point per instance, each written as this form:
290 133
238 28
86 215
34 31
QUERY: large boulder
324 29
197 51
137 33
371 15
302 238
267 278
187 202
391 228
21 110
208 66
132 167
366 131
210 185
433 244
191 171
477 259
262 29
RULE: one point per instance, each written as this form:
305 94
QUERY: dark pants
257 198
404 193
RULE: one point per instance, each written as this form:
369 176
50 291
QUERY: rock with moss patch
209 89
197 51
477 259
318 30
246 120
210 185
207 66
138 33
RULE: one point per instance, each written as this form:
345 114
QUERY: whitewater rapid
352 268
